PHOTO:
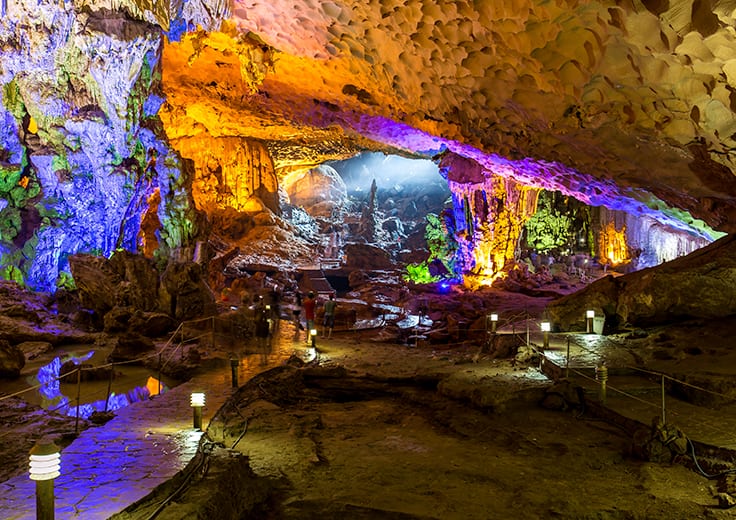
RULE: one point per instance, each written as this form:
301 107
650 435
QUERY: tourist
329 319
309 305
275 307
262 327
297 311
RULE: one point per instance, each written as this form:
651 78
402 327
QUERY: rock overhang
602 101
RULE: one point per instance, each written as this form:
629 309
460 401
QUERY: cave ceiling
607 101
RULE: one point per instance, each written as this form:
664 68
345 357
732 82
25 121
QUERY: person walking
329 319
297 311
262 326
309 305
275 297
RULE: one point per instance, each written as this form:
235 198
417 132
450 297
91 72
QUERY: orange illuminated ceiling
627 96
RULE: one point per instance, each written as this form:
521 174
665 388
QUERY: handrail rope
660 374
622 392
653 405
111 364
631 396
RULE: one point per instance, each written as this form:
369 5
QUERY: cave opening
438 228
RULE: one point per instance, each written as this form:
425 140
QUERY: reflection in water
53 399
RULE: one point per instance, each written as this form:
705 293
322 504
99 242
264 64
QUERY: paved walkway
106 469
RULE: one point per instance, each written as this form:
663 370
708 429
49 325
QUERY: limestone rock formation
320 191
212 105
127 290
699 285
124 280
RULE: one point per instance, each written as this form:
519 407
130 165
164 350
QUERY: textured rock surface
12 360
700 285
638 98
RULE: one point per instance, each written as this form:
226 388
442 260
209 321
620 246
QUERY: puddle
128 384
40 385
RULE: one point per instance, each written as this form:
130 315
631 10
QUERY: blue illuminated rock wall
81 147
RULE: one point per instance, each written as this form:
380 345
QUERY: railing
210 330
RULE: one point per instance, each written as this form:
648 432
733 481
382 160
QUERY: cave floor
369 435
366 434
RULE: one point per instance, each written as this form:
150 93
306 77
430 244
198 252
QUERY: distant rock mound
699 285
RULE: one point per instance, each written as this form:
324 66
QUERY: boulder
153 324
12 360
95 280
185 293
699 285
126 279
141 277
131 347
366 256
118 319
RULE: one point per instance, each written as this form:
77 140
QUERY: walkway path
108 468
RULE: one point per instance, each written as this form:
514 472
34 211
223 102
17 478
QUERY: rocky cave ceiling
618 103
124 120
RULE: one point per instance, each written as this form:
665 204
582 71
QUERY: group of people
309 305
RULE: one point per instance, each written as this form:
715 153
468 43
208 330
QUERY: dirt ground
378 431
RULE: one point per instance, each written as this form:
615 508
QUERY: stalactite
490 219
640 242
229 173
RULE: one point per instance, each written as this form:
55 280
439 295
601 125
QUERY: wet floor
108 468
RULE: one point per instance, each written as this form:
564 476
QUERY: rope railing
111 365
659 375
660 405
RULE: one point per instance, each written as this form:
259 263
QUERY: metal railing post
79 390
109 386
601 374
664 410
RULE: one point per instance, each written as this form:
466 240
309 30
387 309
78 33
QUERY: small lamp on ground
589 315
45 463
313 335
494 322
546 326
197 402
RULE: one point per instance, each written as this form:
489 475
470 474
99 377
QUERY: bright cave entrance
493 233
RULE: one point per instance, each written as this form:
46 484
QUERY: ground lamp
197 402
44 468
313 335
546 327
494 321
589 315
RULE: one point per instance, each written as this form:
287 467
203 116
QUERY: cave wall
230 172
84 163
639 242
